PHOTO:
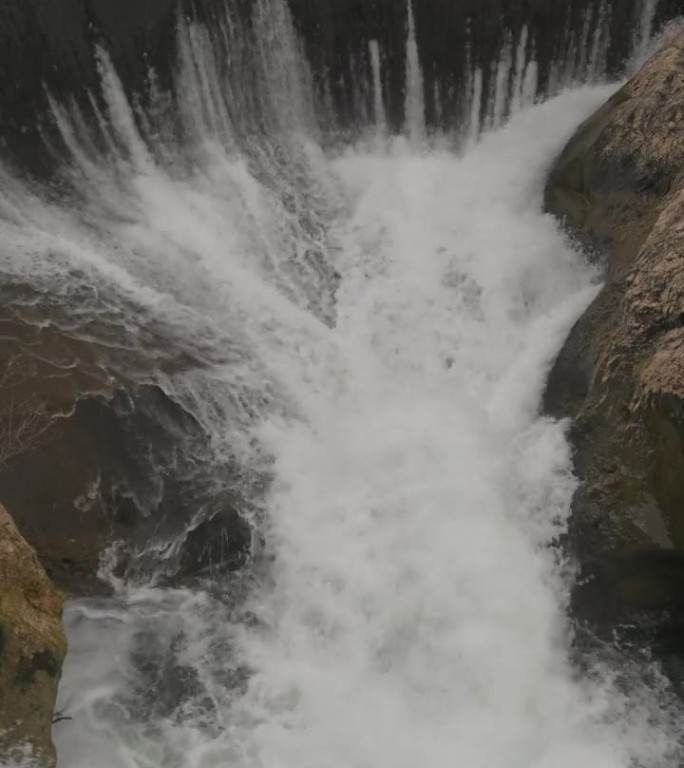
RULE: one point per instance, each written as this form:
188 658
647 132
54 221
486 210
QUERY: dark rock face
114 460
619 185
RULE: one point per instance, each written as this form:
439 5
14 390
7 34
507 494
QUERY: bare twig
60 717
22 422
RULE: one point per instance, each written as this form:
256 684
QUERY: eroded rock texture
619 186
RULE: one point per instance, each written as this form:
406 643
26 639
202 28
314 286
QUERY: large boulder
619 187
32 648
115 458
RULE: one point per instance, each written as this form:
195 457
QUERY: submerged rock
32 648
619 187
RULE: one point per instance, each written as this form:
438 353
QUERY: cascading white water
413 611
415 97
475 106
409 609
599 43
497 102
378 101
644 30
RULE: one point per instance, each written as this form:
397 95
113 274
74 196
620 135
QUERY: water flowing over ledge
475 56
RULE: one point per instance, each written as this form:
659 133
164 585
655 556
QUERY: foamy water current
377 323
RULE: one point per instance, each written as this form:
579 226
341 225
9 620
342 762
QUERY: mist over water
375 324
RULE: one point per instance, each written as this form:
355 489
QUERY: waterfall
644 30
415 98
501 84
378 103
475 106
360 331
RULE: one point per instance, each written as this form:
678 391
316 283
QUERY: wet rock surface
113 458
619 187
32 648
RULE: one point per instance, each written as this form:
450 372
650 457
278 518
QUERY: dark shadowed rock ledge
32 649
619 187
107 455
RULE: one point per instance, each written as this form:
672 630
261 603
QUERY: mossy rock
32 648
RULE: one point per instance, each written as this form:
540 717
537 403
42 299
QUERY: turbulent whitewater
377 322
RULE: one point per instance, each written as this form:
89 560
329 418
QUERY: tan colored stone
32 648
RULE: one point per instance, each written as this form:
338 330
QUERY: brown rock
619 185
32 648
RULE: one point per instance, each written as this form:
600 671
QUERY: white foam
414 614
